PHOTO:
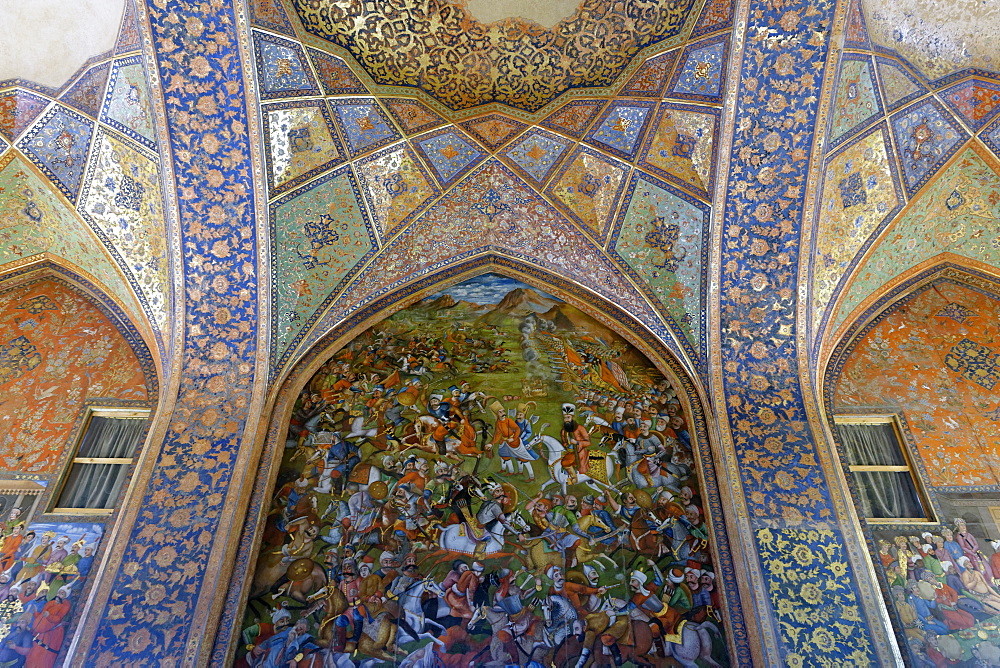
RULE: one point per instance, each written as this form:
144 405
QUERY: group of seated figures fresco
489 477
945 587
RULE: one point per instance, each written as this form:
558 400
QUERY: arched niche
255 582
67 352
924 353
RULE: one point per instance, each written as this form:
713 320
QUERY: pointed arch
692 395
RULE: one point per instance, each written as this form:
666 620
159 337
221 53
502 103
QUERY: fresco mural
489 477
57 351
944 585
933 358
43 568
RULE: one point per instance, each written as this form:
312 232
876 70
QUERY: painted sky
488 289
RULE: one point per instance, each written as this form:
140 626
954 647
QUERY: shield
511 493
299 569
378 490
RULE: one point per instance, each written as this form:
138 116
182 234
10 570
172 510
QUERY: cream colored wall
543 12
46 41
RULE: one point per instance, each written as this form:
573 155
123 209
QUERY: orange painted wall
57 350
937 358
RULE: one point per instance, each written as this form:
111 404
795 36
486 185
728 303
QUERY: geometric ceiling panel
651 77
87 93
681 147
3 144
127 106
956 213
587 188
450 153
282 68
319 234
573 118
18 109
926 136
976 100
717 14
396 187
536 155
701 73
270 15
363 125
859 194
58 143
898 85
412 116
121 200
991 136
660 235
128 34
336 77
621 127
300 142
494 130
855 100
463 63
856 33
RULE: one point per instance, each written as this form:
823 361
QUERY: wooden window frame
120 412
910 467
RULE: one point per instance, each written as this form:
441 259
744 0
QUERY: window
102 461
881 469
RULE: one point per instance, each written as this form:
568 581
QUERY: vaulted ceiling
400 137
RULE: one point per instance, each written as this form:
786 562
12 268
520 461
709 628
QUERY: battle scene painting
489 477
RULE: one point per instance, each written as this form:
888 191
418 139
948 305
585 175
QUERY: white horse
554 451
455 538
411 602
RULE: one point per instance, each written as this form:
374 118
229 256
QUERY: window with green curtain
102 463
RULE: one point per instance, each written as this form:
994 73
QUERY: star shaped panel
412 116
536 155
334 74
58 143
926 136
363 125
621 127
587 189
127 107
87 93
573 118
682 147
396 187
660 235
701 73
855 100
450 154
494 130
282 68
975 100
899 85
300 142
651 77
18 109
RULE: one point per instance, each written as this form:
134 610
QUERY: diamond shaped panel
681 148
282 70
18 109
363 125
976 100
87 93
926 136
58 143
536 155
336 77
574 117
701 74
855 101
621 128
651 77
127 107
450 153
396 187
587 187
300 143
899 86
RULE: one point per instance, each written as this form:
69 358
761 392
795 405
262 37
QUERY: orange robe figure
49 634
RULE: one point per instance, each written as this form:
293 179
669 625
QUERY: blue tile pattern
450 154
363 125
621 128
58 143
926 136
536 155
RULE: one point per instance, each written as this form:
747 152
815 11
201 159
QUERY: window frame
119 412
911 466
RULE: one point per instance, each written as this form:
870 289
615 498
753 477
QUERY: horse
540 558
554 451
527 636
411 604
455 538
696 643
